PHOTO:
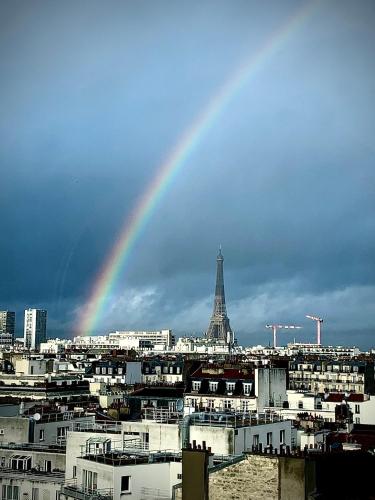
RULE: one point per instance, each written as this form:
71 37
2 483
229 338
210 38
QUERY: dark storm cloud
94 96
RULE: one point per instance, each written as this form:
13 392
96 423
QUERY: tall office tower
35 328
7 324
219 328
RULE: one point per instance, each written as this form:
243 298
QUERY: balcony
73 490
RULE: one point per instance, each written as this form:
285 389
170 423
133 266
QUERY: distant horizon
242 344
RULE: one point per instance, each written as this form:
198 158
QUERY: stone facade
253 478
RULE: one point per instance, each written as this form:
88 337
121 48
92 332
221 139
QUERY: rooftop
33 475
117 458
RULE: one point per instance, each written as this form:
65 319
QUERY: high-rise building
219 328
7 324
35 328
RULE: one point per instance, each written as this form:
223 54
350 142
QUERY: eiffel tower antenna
219 328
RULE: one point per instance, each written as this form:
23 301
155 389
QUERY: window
213 386
179 476
196 385
47 466
41 434
125 484
269 438
357 420
227 404
89 480
61 431
20 462
35 494
2 463
256 440
210 403
74 471
230 386
247 389
300 404
244 405
357 409
10 492
282 437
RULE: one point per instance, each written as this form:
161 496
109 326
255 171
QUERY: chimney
195 462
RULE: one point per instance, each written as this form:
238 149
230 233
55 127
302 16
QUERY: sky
95 95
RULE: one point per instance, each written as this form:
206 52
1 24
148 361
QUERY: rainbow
166 173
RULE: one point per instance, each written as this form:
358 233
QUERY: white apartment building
104 468
35 328
331 376
236 389
321 350
161 340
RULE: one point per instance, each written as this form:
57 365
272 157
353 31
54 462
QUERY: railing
234 419
161 415
55 448
72 489
135 444
33 475
98 426
153 493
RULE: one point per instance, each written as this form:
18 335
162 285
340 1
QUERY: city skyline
283 178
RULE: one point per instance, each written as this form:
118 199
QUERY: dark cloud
93 99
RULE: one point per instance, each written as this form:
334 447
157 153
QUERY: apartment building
331 376
240 388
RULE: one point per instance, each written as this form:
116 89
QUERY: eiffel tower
219 328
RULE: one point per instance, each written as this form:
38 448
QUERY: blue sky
94 95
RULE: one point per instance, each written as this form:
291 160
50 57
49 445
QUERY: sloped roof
224 373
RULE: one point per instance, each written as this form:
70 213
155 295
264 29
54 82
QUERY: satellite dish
36 416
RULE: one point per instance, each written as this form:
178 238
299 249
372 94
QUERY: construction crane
319 322
278 327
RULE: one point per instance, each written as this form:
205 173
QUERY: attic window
213 386
247 389
230 386
196 385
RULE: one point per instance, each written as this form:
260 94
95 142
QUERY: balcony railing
74 490
161 415
105 426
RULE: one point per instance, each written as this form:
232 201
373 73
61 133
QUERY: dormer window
213 386
230 387
247 389
196 385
